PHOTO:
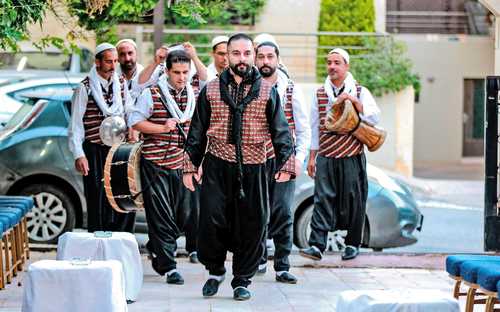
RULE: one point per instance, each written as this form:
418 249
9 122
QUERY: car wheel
53 213
303 227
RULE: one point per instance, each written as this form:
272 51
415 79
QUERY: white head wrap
342 53
219 39
261 38
132 42
103 47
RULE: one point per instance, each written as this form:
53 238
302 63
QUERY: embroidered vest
255 128
93 115
166 149
288 108
330 144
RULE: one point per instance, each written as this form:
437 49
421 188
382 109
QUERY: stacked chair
481 273
14 245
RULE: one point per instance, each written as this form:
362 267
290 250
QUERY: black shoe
262 269
311 253
175 278
241 293
130 301
193 257
350 252
211 287
286 277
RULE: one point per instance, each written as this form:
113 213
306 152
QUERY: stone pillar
494 7
380 14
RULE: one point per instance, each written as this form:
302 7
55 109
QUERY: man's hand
133 135
341 98
282 176
82 165
354 100
198 176
170 124
161 55
311 167
298 168
187 179
190 50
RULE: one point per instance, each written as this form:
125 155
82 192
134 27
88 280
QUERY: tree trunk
158 22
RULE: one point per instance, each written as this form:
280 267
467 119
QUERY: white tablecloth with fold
60 286
396 301
121 246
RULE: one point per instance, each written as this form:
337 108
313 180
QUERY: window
44 91
34 60
86 60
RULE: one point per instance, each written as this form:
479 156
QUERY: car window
22 112
34 60
43 91
86 60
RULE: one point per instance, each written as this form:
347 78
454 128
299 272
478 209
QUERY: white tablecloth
396 301
60 286
120 246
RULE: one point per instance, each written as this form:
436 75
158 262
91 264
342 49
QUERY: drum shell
370 136
343 118
122 177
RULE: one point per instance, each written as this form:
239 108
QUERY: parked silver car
35 160
392 215
30 62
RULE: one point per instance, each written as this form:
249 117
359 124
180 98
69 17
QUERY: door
473 118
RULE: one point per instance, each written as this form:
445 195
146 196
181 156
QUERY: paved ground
318 289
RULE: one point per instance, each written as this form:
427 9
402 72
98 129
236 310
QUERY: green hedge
377 63
343 16
386 68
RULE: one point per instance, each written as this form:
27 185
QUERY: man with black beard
127 57
281 192
235 115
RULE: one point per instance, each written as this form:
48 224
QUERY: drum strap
163 101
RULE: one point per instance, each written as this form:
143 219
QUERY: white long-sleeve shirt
371 112
211 72
143 108
76 131
301 111
132 83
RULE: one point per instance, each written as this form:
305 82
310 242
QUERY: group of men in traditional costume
222 147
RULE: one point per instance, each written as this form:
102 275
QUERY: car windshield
34 60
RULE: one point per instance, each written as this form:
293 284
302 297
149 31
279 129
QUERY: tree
377 63
99 16
15 16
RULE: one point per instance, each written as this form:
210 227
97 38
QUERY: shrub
378 63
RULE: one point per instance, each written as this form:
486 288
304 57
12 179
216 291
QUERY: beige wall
443 62
397 119
53 26
298 53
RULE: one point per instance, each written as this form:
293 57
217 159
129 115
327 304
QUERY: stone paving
319 287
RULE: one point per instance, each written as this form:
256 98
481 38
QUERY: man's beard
128 65
268 73
237 71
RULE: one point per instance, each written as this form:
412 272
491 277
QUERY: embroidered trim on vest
254 131
93 116
165 149
334 145
288 109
